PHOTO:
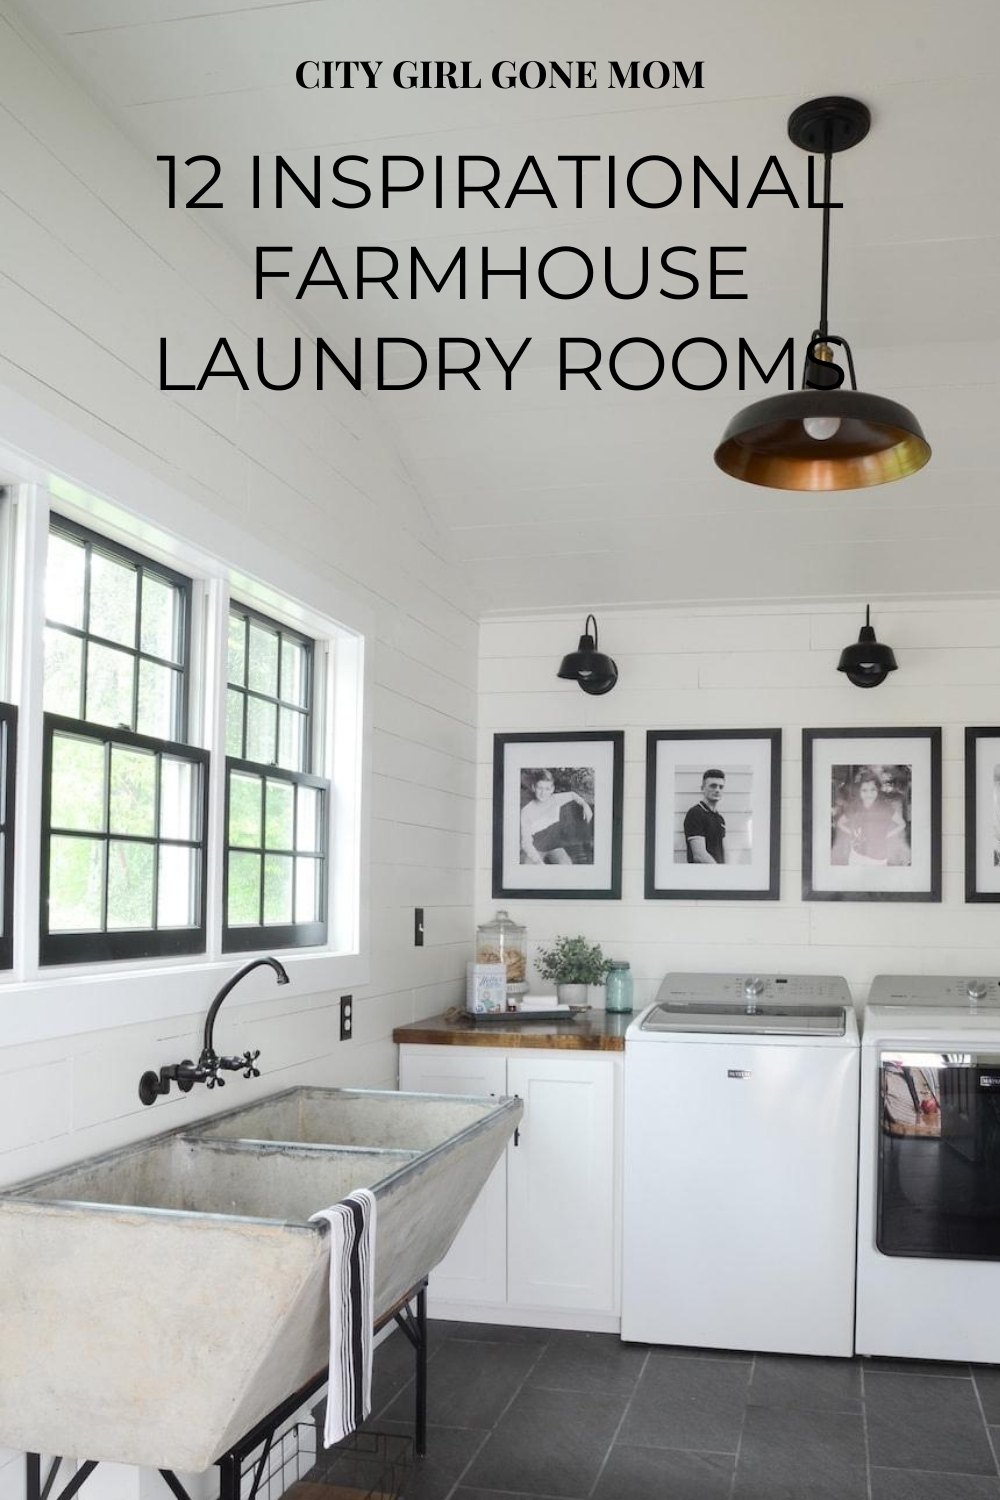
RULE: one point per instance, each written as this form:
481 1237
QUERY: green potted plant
573 964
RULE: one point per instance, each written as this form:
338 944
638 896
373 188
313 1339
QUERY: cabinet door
475 1268
562 1211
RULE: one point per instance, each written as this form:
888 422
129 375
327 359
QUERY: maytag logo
740 1073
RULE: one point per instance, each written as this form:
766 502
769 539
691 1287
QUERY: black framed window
269 699
117 634
124 798
8 756
123 857
277 813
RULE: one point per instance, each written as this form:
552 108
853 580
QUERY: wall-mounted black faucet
210 1066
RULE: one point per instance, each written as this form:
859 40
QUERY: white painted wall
765 667
94 268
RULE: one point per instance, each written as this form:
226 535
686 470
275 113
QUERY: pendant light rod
823 127
825 272
586 630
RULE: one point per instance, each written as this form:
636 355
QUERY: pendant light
868 663
595 672
824 437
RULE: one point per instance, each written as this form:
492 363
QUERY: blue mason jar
618 987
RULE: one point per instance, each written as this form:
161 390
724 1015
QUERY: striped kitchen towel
352 1296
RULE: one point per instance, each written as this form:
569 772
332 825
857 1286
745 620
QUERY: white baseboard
529 1317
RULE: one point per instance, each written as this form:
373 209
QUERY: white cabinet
542 1242
561 1183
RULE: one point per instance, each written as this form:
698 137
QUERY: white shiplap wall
94 268
767 667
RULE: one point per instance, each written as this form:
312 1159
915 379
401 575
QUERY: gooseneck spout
230 984
210 1066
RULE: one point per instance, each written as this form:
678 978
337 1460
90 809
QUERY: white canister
485 988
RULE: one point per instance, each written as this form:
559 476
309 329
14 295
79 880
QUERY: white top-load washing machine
929 1181
740 1172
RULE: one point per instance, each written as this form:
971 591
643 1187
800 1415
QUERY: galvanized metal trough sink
157 1301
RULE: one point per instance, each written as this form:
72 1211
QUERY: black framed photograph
982 814
713 814
871 814
557 815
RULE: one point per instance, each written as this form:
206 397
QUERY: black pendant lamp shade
825 436
868 663
595 672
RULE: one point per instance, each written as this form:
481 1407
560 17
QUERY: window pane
130 885
179 812
244 810
279 830
291 749
293 673
263 660
63 667
112 599
160 600
65 571
77 784
237 669
277 889
261 728
307 820
158 687
109 686
133 791
234 724
244 890
76 881
178 888
306 890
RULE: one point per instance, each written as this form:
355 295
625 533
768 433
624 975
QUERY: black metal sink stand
414 1326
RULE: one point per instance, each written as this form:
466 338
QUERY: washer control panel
754 989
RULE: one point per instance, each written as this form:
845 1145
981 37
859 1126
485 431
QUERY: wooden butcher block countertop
591 1031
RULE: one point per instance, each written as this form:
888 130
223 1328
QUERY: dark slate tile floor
529 1414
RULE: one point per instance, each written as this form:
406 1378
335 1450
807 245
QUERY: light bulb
821 428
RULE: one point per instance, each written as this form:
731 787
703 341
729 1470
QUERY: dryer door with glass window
939 1155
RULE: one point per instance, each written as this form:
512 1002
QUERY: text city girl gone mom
437 74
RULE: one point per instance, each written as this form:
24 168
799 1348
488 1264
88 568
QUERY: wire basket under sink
366 1465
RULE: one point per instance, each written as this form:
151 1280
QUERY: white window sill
94 997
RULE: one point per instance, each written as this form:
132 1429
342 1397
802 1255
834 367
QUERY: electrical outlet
418 927
346 1017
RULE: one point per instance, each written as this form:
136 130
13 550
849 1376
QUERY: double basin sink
157 1301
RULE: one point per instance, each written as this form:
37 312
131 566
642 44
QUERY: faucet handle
215 1079
249 1058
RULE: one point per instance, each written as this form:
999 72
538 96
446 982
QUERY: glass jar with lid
504 941
618 987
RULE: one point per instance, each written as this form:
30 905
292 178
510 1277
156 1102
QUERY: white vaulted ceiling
584 498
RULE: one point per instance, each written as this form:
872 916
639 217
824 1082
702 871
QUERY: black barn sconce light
868 663
595 672
824 437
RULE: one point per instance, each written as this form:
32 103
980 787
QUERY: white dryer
740 1171
929 1183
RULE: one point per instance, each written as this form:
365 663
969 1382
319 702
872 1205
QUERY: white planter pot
572 994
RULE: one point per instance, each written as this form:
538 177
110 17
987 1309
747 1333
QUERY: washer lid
739 1020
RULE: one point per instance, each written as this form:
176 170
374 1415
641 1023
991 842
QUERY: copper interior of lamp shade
878 440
